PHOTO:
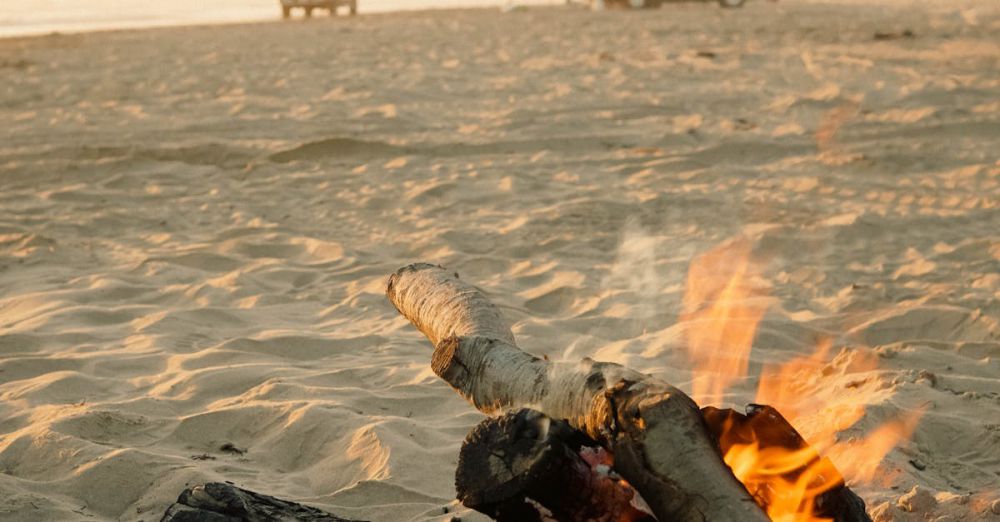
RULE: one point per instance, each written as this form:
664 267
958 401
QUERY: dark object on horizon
904 34
515 466
654 4
768 428
218 502
309 5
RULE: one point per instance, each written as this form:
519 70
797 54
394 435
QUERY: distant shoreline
254 15
34 31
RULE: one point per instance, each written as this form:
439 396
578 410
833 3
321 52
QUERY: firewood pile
576 441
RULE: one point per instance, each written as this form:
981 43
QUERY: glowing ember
722 307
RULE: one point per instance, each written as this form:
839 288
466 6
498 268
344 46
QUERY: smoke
648 274
635 267
640 294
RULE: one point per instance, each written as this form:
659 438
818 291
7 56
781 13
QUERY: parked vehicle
653 4
310 5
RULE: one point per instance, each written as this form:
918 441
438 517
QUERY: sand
196 225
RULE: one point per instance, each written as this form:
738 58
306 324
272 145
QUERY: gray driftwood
218 502
655 431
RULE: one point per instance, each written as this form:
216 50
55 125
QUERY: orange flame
795 389
859 460
786 481
777 385
722 309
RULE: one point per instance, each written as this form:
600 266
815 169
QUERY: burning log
765 429
527 467
655 431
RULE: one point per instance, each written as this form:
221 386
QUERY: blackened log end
218 502
519 465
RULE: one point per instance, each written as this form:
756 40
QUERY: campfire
597 441
725 300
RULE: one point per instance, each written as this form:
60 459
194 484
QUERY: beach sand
196 226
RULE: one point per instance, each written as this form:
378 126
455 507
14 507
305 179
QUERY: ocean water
25 17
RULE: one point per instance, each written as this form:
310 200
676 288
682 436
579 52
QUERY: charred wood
525 466
766 427
218 502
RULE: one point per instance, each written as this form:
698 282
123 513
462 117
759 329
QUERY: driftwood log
218 502
655 432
